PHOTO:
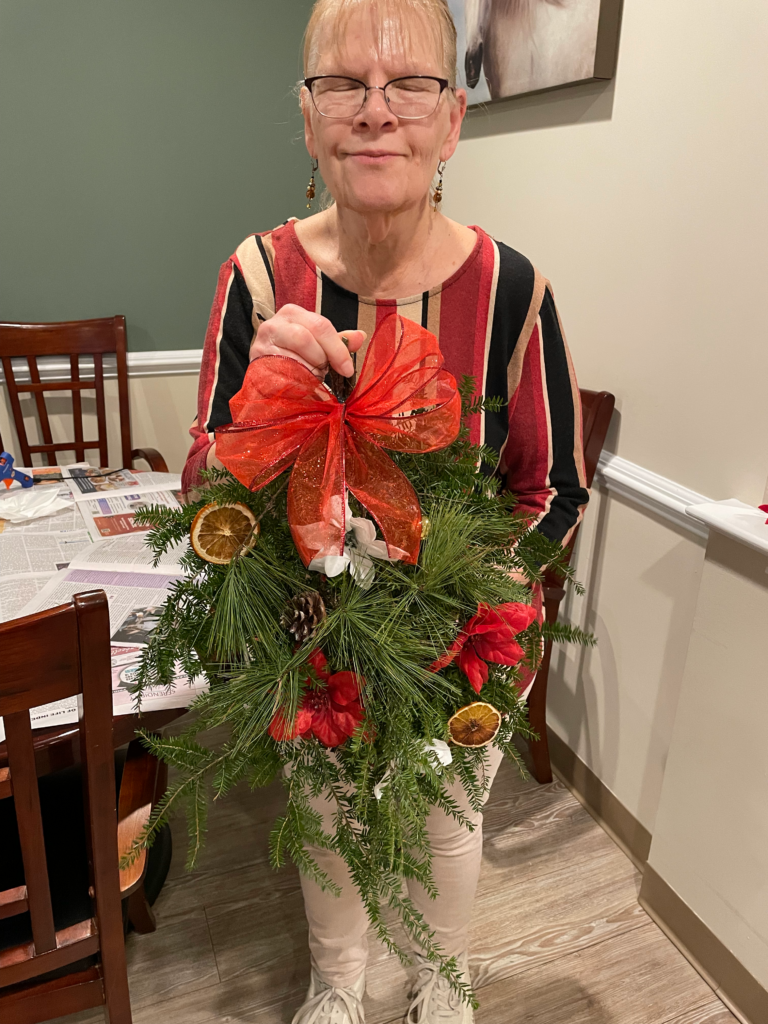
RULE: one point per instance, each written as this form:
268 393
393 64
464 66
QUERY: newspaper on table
104 505
125 553
17 591
64 521
88 482
136 592
49 477
23 552
112 515
135 596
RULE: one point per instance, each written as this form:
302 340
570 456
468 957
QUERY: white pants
338 924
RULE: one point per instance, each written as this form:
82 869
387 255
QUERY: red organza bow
403 400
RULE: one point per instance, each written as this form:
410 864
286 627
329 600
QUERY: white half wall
710 843
615 704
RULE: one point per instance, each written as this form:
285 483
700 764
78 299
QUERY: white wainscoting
172 362
650 491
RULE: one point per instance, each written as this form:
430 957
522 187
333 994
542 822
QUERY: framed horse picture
512 47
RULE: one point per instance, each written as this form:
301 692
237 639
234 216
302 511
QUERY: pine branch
225 621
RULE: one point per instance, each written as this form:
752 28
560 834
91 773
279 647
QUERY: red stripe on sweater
529 434
295 275
464 320
198 453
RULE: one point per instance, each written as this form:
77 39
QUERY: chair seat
61 802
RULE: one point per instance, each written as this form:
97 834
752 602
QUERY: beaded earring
311 185
437 195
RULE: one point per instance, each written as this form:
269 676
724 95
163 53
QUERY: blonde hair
391 18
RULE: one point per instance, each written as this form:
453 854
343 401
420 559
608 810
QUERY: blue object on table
8 474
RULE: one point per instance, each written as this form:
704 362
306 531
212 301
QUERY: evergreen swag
231 622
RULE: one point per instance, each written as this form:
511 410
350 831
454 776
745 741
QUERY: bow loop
403 400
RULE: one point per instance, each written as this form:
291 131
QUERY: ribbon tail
386 492
316 508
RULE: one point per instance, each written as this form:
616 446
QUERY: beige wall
644 201
162 408
710 843
615 704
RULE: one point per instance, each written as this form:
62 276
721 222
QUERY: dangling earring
437 195
311 185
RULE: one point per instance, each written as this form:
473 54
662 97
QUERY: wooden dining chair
73 339
65 921
596 409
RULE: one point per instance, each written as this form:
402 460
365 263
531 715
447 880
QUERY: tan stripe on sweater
515 365
366 321
257 279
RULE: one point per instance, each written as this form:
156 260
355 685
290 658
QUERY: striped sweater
496 321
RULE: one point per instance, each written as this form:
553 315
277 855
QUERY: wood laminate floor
558 938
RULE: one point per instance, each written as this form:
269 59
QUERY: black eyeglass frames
411 98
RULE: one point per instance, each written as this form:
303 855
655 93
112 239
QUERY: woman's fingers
291 339
354 338
325 334
308 337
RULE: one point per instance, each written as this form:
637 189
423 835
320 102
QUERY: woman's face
374 162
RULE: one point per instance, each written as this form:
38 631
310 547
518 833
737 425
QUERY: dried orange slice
219 532
475 725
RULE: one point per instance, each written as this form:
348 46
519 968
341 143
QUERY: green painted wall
140 142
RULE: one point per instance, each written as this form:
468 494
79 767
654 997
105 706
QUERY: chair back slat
72 339
42 410
121 358
21 761
13 901
101 408
597 409
98 771
77 407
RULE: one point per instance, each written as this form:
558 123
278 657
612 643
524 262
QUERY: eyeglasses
410 98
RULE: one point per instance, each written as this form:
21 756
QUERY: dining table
58 747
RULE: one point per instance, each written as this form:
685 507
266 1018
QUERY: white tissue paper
21 506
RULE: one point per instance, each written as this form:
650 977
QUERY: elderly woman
382 117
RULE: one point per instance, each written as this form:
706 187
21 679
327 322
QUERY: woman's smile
373 157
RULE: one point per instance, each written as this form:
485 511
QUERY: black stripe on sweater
514 289
338 305
563 476
234 349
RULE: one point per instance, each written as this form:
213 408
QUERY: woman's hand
309 338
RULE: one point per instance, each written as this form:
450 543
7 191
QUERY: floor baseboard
731 981
625 830
740 991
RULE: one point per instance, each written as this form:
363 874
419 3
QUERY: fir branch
225 621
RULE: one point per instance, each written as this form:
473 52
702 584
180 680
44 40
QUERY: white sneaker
327 1005
433 999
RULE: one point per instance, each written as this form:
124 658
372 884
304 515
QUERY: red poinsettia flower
488 636
764 508
331 714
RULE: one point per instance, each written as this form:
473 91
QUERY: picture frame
508 48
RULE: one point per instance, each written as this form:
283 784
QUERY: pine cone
303 615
